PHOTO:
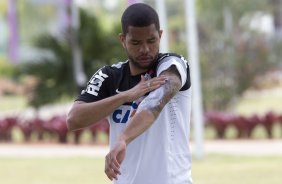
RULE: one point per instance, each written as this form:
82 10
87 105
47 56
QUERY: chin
148 66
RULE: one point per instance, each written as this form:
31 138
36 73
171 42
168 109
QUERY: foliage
54 74
30 15
6 69
55 77
232 54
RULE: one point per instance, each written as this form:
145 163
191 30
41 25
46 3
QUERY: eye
134 42
153 40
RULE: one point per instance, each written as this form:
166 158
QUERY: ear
122 39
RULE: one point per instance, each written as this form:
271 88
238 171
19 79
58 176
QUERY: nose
144 49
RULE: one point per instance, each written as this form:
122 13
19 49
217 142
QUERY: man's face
142 46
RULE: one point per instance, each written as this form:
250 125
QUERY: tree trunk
277 17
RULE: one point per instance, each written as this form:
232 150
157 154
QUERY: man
147 100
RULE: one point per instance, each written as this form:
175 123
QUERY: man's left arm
146 114
152 105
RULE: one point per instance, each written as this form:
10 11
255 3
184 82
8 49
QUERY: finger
161 78
108 170
115 166
108 175
156 83
154 87
112 163
111 174
157 80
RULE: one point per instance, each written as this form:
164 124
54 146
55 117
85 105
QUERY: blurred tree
55 77
6 69
276 7
30 14
232 54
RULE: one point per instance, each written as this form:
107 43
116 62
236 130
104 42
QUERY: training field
214 169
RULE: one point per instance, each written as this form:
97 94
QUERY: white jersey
160 155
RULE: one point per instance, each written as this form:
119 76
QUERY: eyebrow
135 40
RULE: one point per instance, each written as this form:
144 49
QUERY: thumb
142 78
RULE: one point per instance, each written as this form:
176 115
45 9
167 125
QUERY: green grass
52 171
219 169
214 169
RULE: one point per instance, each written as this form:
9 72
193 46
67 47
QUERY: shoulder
111 70
172 57
119 65
166 60
168 55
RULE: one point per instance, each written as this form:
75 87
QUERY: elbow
72 122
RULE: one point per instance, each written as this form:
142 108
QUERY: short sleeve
96 88
180 64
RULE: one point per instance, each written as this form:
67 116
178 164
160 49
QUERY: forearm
84 114
140 122
150 108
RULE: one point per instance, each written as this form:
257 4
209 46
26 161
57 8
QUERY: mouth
144 59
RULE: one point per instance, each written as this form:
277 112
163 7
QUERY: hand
114 159
143 87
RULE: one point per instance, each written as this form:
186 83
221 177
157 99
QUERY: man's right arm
84 114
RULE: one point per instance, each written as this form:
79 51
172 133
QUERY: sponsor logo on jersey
96 82
121 115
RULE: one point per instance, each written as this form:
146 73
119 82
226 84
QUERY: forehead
142 32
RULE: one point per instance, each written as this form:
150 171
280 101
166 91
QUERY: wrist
124 139
123 97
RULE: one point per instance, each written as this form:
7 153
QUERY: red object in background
39 127
251 124
239 123
279 120
26 128
100 126
58 126
219 121
6 126
77 135
244 125
268 121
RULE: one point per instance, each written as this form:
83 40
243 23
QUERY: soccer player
147 100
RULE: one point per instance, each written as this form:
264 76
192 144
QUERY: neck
135 70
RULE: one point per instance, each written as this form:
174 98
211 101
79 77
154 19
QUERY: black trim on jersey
110 80
187 84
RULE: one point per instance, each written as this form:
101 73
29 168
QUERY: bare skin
146 114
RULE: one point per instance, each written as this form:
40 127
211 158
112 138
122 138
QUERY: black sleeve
97 87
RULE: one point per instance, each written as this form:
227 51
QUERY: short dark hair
139 15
